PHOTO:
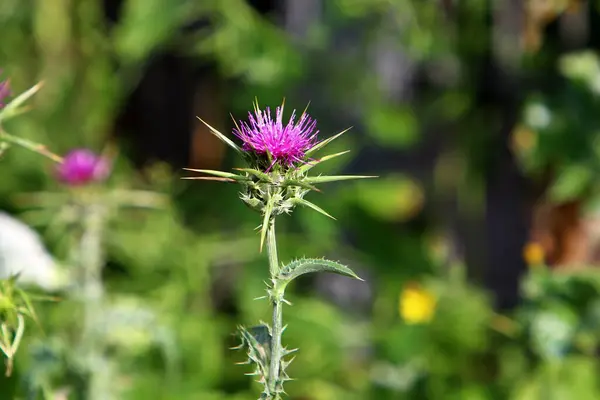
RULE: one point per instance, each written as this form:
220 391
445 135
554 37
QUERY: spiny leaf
325 142
254 373
224 138
285 364
221 174
255 105
235 122
285 352
239 347
257 339
313 206
259 174
40 297
28 305
282 105
261 333
257 351
314 163
299 183
303 112
308 265
12 108
335 178
208 178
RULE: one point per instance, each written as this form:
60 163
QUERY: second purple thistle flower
82 166
286 144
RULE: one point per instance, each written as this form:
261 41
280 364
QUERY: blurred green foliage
180 279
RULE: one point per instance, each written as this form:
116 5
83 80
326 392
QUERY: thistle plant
15 303
82 216
82 173
275 180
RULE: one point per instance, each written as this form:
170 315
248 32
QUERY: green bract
15 306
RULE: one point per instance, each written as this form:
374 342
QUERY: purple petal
287 144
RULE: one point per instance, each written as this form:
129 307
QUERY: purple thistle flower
82 166
4 92
286 144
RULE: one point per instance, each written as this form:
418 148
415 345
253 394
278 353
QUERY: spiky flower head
271 139
82 166
278 157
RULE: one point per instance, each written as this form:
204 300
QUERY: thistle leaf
28 308
285 352
259 174
299 183
208 178
303 112
223 138
308 265
261 334
221 174
258 341
12 109
285 364
335 178
314 163
313 206
325 142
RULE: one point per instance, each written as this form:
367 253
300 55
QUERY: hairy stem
90 259
277 327
272 249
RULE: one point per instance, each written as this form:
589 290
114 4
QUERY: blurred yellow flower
524 139
533 253
416 304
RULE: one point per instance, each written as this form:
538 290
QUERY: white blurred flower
22 251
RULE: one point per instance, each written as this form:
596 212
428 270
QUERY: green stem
91 291
272 250
35 147
277 330
277 327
